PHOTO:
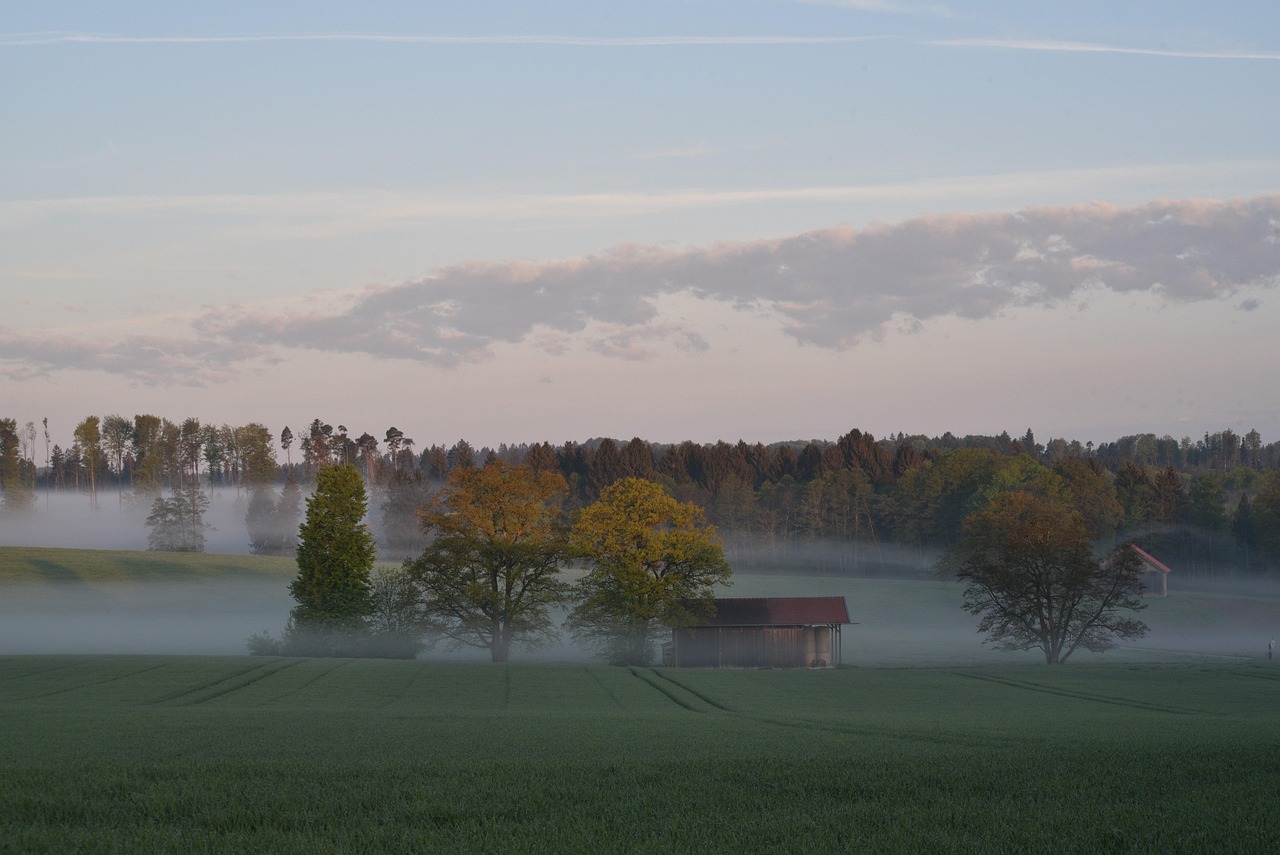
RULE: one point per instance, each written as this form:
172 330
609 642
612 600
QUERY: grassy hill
172 754
29 565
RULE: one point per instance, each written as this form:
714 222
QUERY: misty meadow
870 521
403 406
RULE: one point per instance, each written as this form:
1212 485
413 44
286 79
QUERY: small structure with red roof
762 632
1155 568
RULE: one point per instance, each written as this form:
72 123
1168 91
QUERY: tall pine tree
335 556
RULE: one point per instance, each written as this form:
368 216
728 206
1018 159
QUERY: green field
234 754
20 565
927 743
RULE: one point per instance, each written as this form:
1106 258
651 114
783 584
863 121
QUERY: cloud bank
829 289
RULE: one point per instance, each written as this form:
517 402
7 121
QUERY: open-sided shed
762 632
1155 570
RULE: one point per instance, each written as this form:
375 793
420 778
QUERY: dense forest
853 504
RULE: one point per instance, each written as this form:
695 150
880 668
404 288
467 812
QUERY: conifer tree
335 556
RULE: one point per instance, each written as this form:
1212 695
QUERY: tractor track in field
808 724
191 690
699 695
596 677
1257 675
1029 686
100 682
238 686
37 672
657 685
320 676
400 695
260 671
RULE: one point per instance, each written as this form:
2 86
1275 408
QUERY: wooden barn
762 632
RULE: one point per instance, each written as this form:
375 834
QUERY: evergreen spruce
335 556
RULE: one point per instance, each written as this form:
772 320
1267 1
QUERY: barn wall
753 647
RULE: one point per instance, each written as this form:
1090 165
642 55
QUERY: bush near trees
397 620
653 564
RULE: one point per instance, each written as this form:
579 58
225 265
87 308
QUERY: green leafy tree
1092 494
17 494
397 618
653 564
148 467
1136 493
1034 583
932 501
88 436
1171 495
1264 518
335 556
272 522
404 496
256 449
190 445
1207 502
492 572
177 523
117 436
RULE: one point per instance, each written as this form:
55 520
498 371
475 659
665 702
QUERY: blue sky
679 220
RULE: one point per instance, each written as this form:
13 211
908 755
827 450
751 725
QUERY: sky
679 220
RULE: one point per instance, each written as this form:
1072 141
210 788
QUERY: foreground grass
174 754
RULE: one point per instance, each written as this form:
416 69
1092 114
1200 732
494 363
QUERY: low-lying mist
903 614
63 518
897 623
183 617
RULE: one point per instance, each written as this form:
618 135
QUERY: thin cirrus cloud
324 214
830 289
1092 47
53 38
57 38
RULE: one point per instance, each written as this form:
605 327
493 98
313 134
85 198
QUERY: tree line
491 573
1211 504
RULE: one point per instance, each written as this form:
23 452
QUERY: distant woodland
857 503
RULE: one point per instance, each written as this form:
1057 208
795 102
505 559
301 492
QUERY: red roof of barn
1150 559
779 611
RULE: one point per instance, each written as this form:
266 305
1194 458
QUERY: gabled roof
779 611
1150 560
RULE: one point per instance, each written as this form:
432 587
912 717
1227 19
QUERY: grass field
209 754
20 565
1169 746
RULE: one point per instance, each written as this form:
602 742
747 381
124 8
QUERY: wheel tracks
1075 694
101 682
226 684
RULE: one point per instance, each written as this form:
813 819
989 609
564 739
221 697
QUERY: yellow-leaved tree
653 564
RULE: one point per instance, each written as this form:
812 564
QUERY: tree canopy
1034 583
335 556
491 574
653 564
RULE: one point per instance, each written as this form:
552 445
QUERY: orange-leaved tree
492 572
1034 583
